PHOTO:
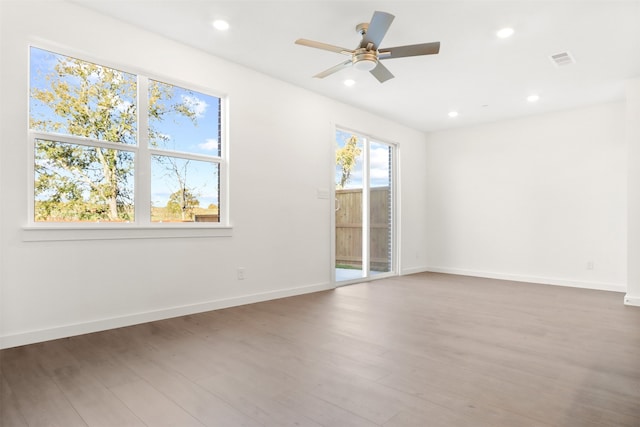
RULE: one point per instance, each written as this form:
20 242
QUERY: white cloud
209 145
379 163
122 106
199 106
378 173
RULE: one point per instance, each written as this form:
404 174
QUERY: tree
182 202
86 100
82 182
346 158
159 94
184 197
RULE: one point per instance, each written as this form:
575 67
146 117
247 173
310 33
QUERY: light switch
322 193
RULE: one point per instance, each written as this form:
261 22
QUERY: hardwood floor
421 350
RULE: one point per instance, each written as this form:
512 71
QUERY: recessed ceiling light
349 82
220 25
532 98
453 114
505 32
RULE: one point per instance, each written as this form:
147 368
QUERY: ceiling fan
367 55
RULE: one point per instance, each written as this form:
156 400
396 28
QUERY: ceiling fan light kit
365 61
367 55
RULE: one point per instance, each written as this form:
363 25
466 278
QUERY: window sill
84 232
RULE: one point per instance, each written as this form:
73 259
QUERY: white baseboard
601 286
64 331
413 270
632 300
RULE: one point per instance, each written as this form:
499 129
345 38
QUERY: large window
114 147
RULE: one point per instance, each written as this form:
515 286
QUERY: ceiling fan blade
409 50
381 73
380 23
332 70
324 46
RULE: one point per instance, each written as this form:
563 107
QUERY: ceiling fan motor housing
362 28
365 60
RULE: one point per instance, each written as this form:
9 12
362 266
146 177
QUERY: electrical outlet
241 273
590 265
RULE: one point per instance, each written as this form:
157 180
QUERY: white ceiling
480 76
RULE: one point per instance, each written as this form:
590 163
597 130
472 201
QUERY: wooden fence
349 228
207 218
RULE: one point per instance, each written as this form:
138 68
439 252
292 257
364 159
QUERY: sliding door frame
394 205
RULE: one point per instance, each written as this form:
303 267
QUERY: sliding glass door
364 208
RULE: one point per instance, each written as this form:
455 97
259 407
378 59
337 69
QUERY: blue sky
42 65
378 162
182 134
179 132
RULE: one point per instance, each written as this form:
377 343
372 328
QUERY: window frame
141 226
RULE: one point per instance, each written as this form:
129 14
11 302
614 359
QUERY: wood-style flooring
422 350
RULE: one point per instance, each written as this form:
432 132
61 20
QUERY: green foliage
88 183
183 202
88 100
82 183
160 95
346 158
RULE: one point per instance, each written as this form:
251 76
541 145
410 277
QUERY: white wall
281 145
633 144
533 199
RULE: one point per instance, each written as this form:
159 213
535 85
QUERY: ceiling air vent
561 59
